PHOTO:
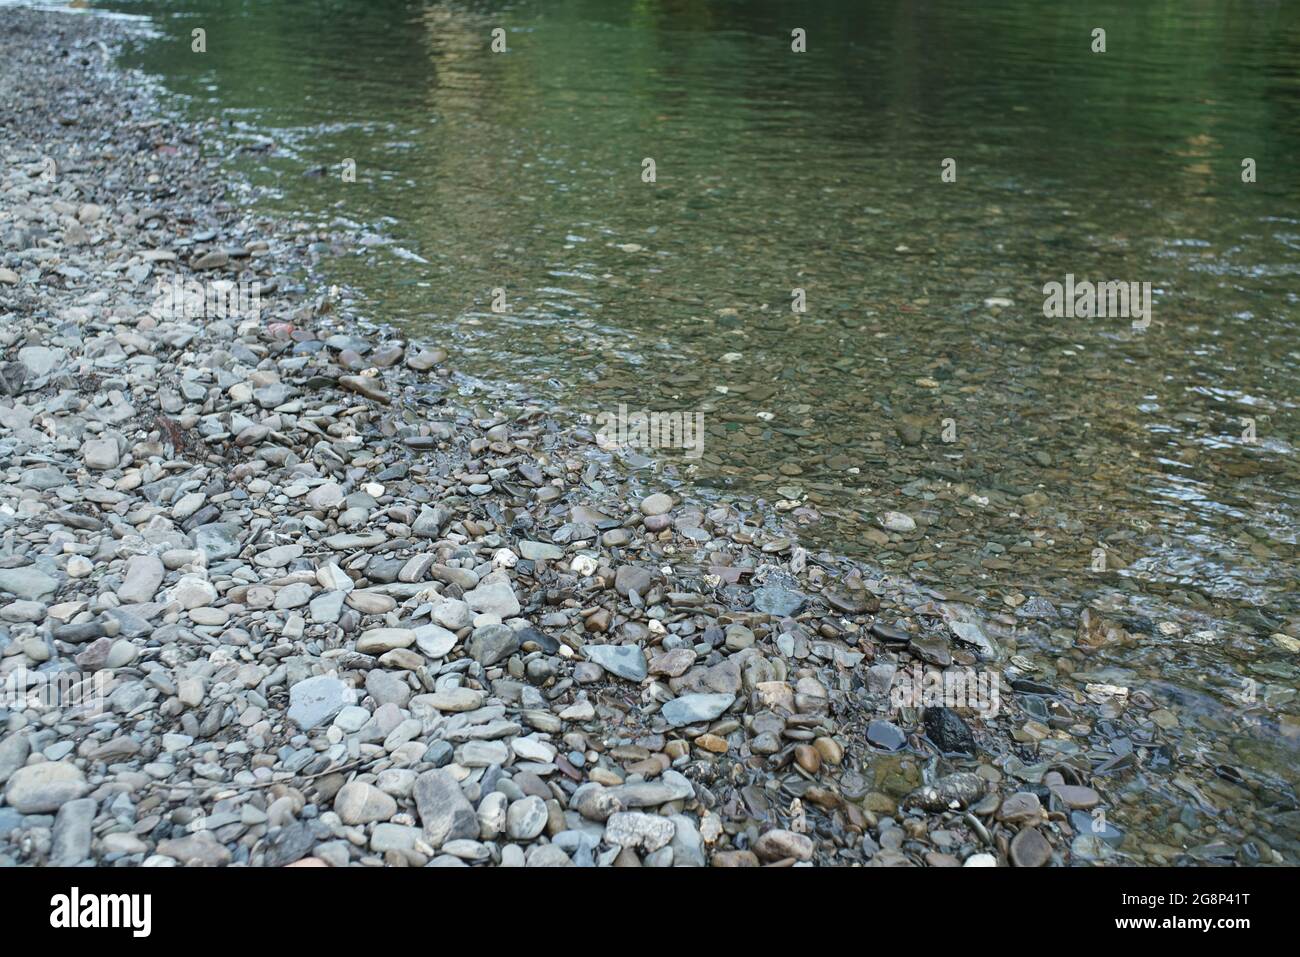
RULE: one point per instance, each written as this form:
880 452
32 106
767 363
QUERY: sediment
273 592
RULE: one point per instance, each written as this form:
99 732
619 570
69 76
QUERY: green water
821 171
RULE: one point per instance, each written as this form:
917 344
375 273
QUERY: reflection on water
1170 449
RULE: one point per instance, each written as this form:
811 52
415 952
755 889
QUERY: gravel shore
273 592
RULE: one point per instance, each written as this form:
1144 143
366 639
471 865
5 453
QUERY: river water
1144 465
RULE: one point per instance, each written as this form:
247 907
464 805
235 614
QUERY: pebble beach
275 592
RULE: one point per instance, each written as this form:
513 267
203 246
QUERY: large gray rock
444 810
695 708
70 843
100 454
493 643
13 755
42 788
434 640
28 582
219 540
626 661
40 360
144 575
494 598
314 701
688 845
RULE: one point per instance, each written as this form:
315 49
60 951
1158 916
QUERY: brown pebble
829 749
808 757
1030 849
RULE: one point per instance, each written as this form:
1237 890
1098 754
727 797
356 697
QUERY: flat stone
192 591
27 581
886 735
1077 797
14 749
366 386
100 454
898 522
379 640
218 540
1030 849
635 578
278 557
1020 808
540 551
657 504
494 598
198 850
493 643
778 601
626 661
142 579
360 803
435 641
327 496
293 595
45 787
326 607
696 708
315 701
453 700
452 614
70 843
932 649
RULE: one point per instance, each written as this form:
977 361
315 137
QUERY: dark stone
890 633
932 649
542 640
439 754
948 731
289 844
78 634
493 643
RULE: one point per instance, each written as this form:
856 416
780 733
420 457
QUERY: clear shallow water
822 171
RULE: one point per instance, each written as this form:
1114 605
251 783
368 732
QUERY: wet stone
1030 849
948 731
886 736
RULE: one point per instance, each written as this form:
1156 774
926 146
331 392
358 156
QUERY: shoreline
335 616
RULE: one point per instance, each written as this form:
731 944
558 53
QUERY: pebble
626 661
1030 849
